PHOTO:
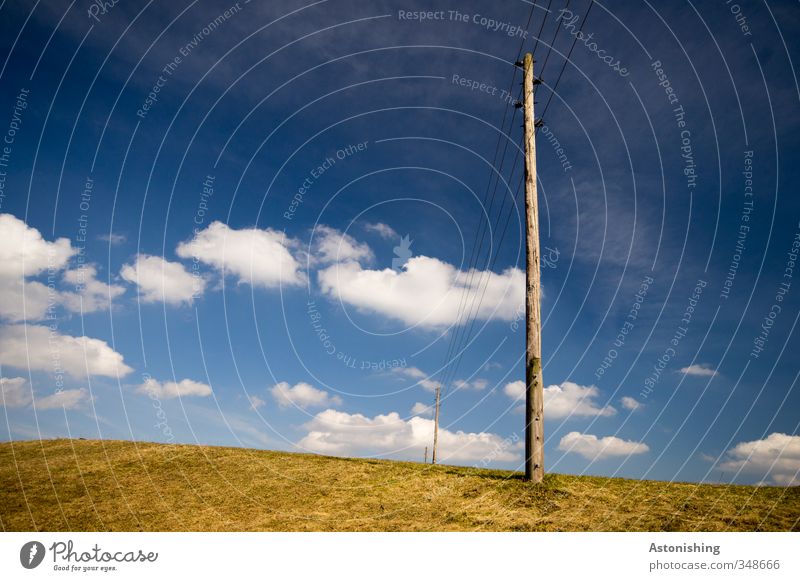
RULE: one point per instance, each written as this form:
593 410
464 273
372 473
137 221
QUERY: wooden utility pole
534 392
436 424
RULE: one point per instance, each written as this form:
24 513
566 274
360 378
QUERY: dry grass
110 485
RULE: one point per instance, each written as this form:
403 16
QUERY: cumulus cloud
515 389
161 280
65 399
775 459
701 370
330 246
383 230
256 402
24 254
90 293
16 392
262 258
423 379
38 348
561 401
476 384
171 389
302 395
565 400
593 448
426 292
342 434
421 409
30 300
22 300
630 403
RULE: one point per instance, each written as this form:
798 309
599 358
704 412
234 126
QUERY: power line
465 343
496 174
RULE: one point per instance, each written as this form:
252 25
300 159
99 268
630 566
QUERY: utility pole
534 391
436 424
426 455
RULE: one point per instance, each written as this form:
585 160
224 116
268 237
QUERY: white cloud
383 230
161 280
421 409
256 402
423 379
630 403
342 434
16 393
702 370
565 400
476 384
171 390
330 246
31 300
66 399
593 448
515 389
24 252
22 300
302 395
571 399
90 293
259 257
776 457
427 292
38 348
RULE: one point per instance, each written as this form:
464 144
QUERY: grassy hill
111 485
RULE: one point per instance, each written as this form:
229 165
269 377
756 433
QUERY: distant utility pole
534 392
426 455
436 424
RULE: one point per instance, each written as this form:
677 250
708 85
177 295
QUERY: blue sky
217 194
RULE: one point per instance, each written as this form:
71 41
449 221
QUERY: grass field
80 485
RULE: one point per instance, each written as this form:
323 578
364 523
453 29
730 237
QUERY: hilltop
88 485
